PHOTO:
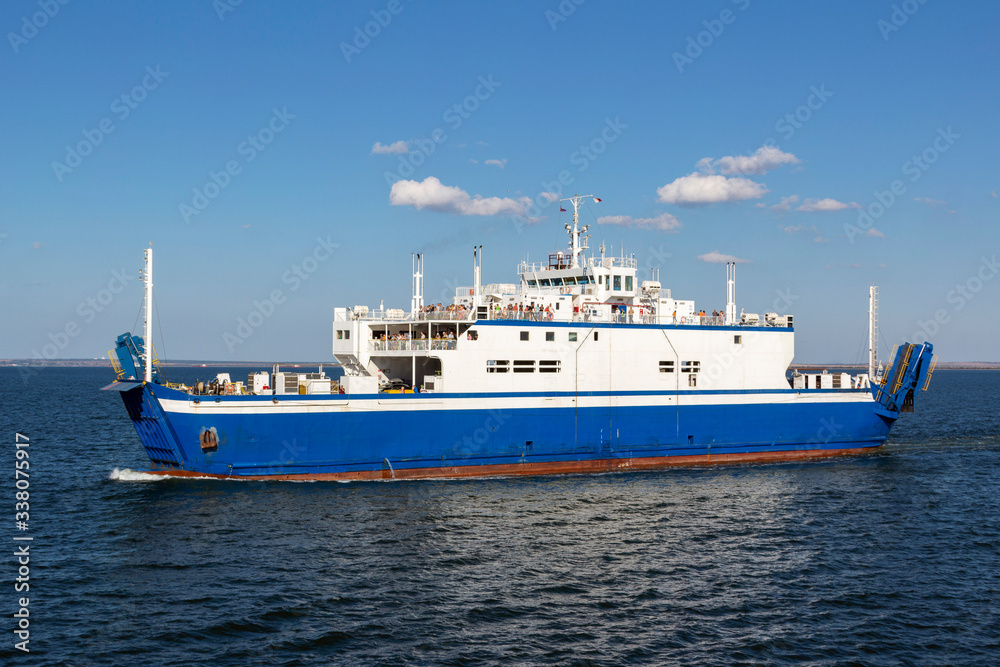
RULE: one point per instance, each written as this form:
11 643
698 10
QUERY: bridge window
549 366
667 366
532 283
628 283
544 282
618 284
557 282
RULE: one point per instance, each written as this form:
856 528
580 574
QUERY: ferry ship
578 367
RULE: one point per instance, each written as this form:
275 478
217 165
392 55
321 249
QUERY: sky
285 159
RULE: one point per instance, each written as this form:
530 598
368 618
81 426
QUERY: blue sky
829 146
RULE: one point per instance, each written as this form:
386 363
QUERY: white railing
410 345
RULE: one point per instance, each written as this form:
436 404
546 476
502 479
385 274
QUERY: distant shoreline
103 363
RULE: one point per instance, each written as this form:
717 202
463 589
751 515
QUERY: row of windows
686 366
609 282
523 366
550 336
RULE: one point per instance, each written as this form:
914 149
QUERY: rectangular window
595 335
557 282
544 282
532 283
737 340
618 284
549 366
497 366
340 334
690 366
524 335
550 336
667 366
572 336
628 283
569 280
347 334
524 366
692 380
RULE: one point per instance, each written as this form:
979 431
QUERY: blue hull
363 444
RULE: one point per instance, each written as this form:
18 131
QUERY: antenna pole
147 351
872 332
730 293
575 246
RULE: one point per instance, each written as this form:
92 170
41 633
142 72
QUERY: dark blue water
887 559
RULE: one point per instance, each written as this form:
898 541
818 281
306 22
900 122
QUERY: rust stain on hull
539 468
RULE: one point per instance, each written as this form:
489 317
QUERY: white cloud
716 257
801 228
874 232
434 195
497 163
933 203
549 196
762 161
699 189
821 239
814 205
664 222
785 204
994 193
246 226
395 147
37 245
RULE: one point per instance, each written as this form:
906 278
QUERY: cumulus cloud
716 257
395 147
785 204
549 196
792 229
814 205
698 189
762 161
874 232
720 180
933 203
663 222
497 163
434 195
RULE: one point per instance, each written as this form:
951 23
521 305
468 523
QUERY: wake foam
129 475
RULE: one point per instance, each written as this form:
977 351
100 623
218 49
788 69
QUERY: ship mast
872 332
577 236
147 348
